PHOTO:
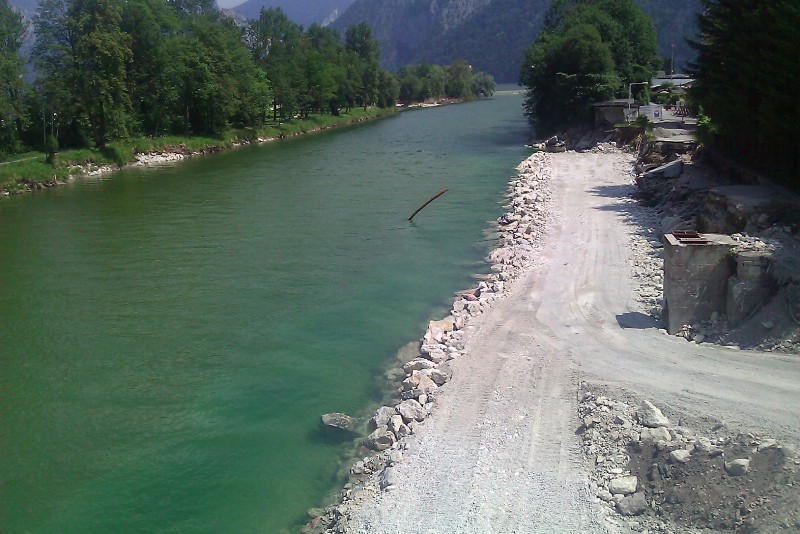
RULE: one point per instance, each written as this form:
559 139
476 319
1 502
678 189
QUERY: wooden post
434 197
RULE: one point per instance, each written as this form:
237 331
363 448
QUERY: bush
118 153
50 149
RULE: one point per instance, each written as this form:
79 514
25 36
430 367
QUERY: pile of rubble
681 192
664 477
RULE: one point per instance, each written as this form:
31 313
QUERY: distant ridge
490 34
303 12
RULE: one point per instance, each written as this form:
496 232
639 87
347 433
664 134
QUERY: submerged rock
339 420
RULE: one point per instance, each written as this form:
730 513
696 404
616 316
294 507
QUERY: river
170 336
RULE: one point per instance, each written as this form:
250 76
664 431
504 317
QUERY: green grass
29 170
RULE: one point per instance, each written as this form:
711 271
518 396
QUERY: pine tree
747 73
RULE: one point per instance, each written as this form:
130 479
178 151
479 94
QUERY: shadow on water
328 435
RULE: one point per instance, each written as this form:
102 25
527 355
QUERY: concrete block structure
749 288
696 272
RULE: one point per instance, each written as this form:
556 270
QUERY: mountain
490 34
27 7
303 12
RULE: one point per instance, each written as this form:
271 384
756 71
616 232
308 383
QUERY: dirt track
500 454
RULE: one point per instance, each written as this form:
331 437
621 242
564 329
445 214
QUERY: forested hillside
491 35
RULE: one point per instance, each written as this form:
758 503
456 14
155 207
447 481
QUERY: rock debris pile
682 191
520 229
663 477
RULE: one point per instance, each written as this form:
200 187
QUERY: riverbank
504 445
430 368
33 173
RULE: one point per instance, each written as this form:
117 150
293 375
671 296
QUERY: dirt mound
702 493
684 481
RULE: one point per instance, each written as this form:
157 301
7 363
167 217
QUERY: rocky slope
304 12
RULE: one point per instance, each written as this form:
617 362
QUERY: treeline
112 69
747 74
588 51
424 82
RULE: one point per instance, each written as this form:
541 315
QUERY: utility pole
672 64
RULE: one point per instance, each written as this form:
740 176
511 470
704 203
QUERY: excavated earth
551 400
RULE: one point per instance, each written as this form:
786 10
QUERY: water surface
170 336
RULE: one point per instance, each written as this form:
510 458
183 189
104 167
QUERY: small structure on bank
611 112
704 275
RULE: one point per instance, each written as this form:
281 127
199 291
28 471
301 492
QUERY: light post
672 64
630 94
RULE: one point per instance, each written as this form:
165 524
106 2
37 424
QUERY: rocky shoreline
653 475
520 229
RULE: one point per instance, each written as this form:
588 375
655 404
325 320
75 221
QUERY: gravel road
500 453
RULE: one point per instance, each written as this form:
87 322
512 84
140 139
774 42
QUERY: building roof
616 103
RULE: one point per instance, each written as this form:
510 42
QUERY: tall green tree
747 73
589 50
459 79
153 94
276 45
13 116
82 53
359 40
567 74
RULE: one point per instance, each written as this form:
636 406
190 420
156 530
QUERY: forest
107 70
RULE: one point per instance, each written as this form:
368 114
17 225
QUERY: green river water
169 337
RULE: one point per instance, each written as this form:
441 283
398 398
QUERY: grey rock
381 417
389 478
411 410
426 384
654 435
737 468
439 377
679 456
704 445
395 422
767 444
418 364
380 440
435 355
623 485
339 420
635 504
650 416
670 170
411 382
605 495
437 329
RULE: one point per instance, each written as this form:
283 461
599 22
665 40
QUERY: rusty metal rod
434 197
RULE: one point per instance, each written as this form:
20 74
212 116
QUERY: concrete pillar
749 288
696 272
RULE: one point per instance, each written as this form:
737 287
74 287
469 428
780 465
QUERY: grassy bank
31 171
